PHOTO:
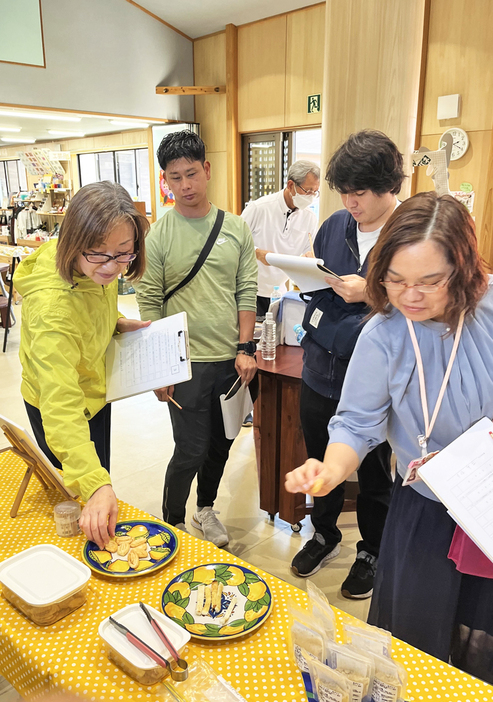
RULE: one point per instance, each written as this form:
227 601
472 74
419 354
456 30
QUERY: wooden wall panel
373 60
471 168
487 220
460 60
262 74
304 63
210 110
217 190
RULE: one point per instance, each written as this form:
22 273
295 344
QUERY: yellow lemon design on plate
182 588
238 576
204 575
175 611
143 565
256 591
101 556
158 555
157 539
227 630
196 628
138 531
118 566
251 614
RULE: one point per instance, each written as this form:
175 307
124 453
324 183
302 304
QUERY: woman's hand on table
125 325
98 518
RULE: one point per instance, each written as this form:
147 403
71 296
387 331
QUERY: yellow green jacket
64 335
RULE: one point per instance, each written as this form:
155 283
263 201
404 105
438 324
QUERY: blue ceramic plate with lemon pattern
140 546
240 601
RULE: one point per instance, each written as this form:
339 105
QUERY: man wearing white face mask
281 223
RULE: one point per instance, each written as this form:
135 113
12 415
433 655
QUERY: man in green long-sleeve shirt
220 302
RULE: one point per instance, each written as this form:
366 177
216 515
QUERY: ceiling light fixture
39 115
18 141
55 132
10 129
129 125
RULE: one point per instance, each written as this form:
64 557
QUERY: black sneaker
314 554
359 583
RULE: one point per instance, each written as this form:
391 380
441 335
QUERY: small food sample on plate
227 614
136 550
209 598
123 548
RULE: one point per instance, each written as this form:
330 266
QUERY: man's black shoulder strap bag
202 256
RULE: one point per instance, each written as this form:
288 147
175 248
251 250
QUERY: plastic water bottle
276 294
269 338
300 332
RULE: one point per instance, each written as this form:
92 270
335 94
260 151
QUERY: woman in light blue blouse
427 281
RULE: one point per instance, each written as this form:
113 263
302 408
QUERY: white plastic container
44 583
129 658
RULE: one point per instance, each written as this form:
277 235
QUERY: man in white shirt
281 223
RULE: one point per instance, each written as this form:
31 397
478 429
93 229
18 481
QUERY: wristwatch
248 348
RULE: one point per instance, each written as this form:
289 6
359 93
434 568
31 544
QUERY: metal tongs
178 674
160 632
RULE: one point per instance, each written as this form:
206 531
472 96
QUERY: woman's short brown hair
94 211
445 221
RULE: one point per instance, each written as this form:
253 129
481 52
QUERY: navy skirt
419 595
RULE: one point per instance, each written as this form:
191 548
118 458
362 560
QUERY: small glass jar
67 518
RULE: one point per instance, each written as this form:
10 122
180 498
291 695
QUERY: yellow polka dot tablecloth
69 656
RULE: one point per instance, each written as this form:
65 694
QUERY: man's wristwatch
248 348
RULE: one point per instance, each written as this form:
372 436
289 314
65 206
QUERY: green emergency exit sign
314 104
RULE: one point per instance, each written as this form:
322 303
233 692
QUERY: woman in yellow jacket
69 314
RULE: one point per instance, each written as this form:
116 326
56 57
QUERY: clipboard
461 476
307 273
328 271
147 359
38 464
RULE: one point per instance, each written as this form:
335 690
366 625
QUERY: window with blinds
128 167
13 178
267 157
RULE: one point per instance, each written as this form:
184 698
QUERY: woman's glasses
399 287
106 258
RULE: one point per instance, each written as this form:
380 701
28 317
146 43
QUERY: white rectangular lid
134 619
43 574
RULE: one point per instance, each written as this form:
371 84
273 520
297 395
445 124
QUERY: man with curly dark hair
367 171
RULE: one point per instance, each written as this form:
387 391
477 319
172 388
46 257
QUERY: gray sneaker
205 519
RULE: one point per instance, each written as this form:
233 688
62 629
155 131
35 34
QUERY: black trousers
263 304
374 477
99 427
420 596
201 447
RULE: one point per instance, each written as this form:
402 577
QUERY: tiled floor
142 444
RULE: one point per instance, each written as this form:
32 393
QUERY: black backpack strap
202 256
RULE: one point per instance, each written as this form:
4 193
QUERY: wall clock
460 142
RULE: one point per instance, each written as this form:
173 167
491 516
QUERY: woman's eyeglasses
106 258
399 287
